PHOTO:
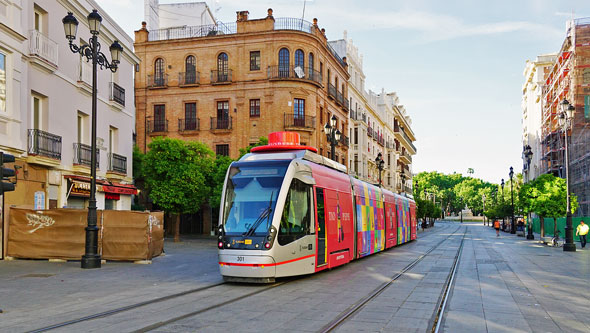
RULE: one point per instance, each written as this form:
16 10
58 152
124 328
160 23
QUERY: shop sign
118 190
112 196
39 200
80 189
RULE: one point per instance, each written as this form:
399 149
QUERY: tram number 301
240 258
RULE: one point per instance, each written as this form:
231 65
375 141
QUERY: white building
45 107
532 110
175 15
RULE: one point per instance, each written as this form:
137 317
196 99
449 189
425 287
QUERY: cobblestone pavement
503 284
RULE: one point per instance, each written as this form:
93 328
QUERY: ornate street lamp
333 135
379 162
91 51
503 217
528 156
511 174
565 120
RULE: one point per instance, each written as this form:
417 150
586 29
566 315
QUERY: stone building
229 84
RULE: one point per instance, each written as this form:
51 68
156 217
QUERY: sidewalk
511 284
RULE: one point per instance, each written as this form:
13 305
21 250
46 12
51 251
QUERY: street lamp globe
116 50
570 111
337 135
70 26
333 121
94 20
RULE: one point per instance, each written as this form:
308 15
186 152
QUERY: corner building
227 85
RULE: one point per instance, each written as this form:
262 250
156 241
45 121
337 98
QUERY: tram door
321 227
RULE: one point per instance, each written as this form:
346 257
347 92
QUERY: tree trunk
177 229
542 225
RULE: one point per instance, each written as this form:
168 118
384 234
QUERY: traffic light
6 186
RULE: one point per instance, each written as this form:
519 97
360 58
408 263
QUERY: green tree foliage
138 157
176 174
217 178
262 141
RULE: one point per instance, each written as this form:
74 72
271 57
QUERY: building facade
227 85
45 108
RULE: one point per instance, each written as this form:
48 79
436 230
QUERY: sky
457 66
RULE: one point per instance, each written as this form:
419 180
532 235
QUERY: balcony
117 163
116 93
402 135
83 155
294 73
43 48
188 125
44 144
331 91
346 105
405 157
370 132
299 122
157 126
339 98
344 140
221 77
221 123
187 79
157 81
389 145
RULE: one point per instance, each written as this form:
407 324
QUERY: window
113 138
222 66
159 118
82 127
255 60
299 59
322 116
356 135
254 108
284 62
299 112
222 150
222 115
40 19
296 218
159 72
190 116
310 62
2 82
37 112
190 66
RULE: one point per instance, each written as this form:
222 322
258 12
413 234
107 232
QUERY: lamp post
91 51
503 217
483 199
333 135
403 177
528 156
511 174
565 120
379 162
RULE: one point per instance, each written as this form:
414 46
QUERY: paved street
504 284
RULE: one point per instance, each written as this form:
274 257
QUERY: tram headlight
220 245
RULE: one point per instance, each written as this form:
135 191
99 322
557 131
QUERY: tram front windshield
251 196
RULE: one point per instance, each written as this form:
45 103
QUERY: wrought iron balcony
189 78
117 93
221 123
43 47
339 98
344 140
157 81
346 105
370 132
293 120
83 155
331 91
219 77
117 163
44 144
295 73
189 124
157 126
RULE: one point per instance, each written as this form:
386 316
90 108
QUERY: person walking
497 227
582 231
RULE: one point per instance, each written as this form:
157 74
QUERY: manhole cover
37 275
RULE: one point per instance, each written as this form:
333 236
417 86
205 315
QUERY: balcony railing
188 124
157 126
117 163
44 144
370 132
221 76
354 115
157 81
339 98
221 123
292 120
117 93
403 133
331 91
344 140
43 47
83 155
292 72
346 105
188 78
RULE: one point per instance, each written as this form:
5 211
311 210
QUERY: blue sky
456 65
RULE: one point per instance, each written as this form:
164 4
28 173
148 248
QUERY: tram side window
296 219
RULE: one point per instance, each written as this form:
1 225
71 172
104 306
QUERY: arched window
310 62
222 67
190 65
284 62
159 72
299 59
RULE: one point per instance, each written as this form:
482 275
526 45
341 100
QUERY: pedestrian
497 227
582 231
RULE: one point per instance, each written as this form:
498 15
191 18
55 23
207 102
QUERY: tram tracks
358 306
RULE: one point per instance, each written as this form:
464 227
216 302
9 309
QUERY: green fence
549 226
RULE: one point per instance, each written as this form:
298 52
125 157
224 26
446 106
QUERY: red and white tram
288 211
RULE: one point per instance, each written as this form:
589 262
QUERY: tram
288 211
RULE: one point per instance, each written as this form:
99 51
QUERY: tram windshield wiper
264 215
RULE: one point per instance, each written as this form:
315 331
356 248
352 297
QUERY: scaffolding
569 78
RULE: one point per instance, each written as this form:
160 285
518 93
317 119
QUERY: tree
262 141
176 174
217 177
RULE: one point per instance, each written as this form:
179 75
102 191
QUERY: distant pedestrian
497 227
582 231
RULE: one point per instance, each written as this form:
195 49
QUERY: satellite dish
299 72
